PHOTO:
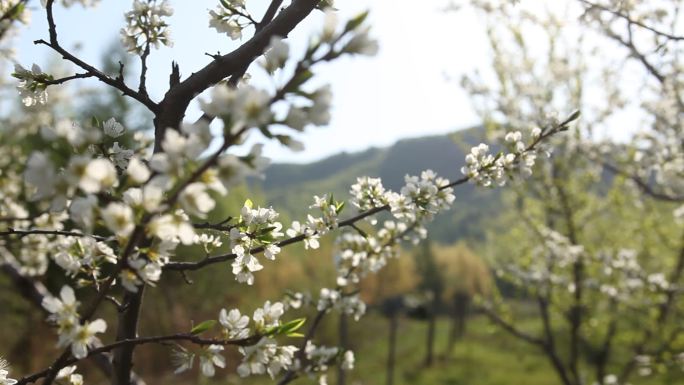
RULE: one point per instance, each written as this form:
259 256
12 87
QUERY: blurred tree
432 284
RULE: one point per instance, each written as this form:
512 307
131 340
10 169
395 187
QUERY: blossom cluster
421 198
315 227
319 357
230 17
4 372
257 227
145 25
616 275
72 332
349 304
487 169
32 84
262 356
67 375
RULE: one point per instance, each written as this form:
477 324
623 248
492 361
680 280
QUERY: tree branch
510 328
142 341
629 20
23 233
172 108
643 186
117 83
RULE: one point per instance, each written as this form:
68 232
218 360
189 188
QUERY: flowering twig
628 19
23 233
139 341
90 70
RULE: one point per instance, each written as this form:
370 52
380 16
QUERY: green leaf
266 132
265 230
249 203
291 326
571 118
94 122
339 207
356 21
296 335
203 327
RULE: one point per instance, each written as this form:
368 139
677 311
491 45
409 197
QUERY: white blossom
265 357
182 359
118 218
210 357
227 20
83 337
32 85
234 324
92 176
138 171
112 128
195 200
276 54
4 372
268 315
145 25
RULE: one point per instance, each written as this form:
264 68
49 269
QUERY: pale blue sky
403 92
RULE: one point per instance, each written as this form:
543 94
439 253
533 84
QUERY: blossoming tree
110 216
597 240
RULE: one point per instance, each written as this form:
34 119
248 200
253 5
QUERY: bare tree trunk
458 320
128 328
344 345
392 347
432 325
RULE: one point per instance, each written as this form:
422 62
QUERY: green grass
483 356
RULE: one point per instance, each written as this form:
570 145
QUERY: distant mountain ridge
290 187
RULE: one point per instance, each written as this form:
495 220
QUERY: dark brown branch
510 328
117 83
268 17
34 292
23 233
629 20
629 44
172 108
142 341
550 341
606 347
269 14
575 316
142 86
127 330
68 78
643 185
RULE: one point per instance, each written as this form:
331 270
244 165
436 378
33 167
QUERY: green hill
289 187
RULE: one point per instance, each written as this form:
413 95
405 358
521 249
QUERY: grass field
483 356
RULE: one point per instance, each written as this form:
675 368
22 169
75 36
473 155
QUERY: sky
409 89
